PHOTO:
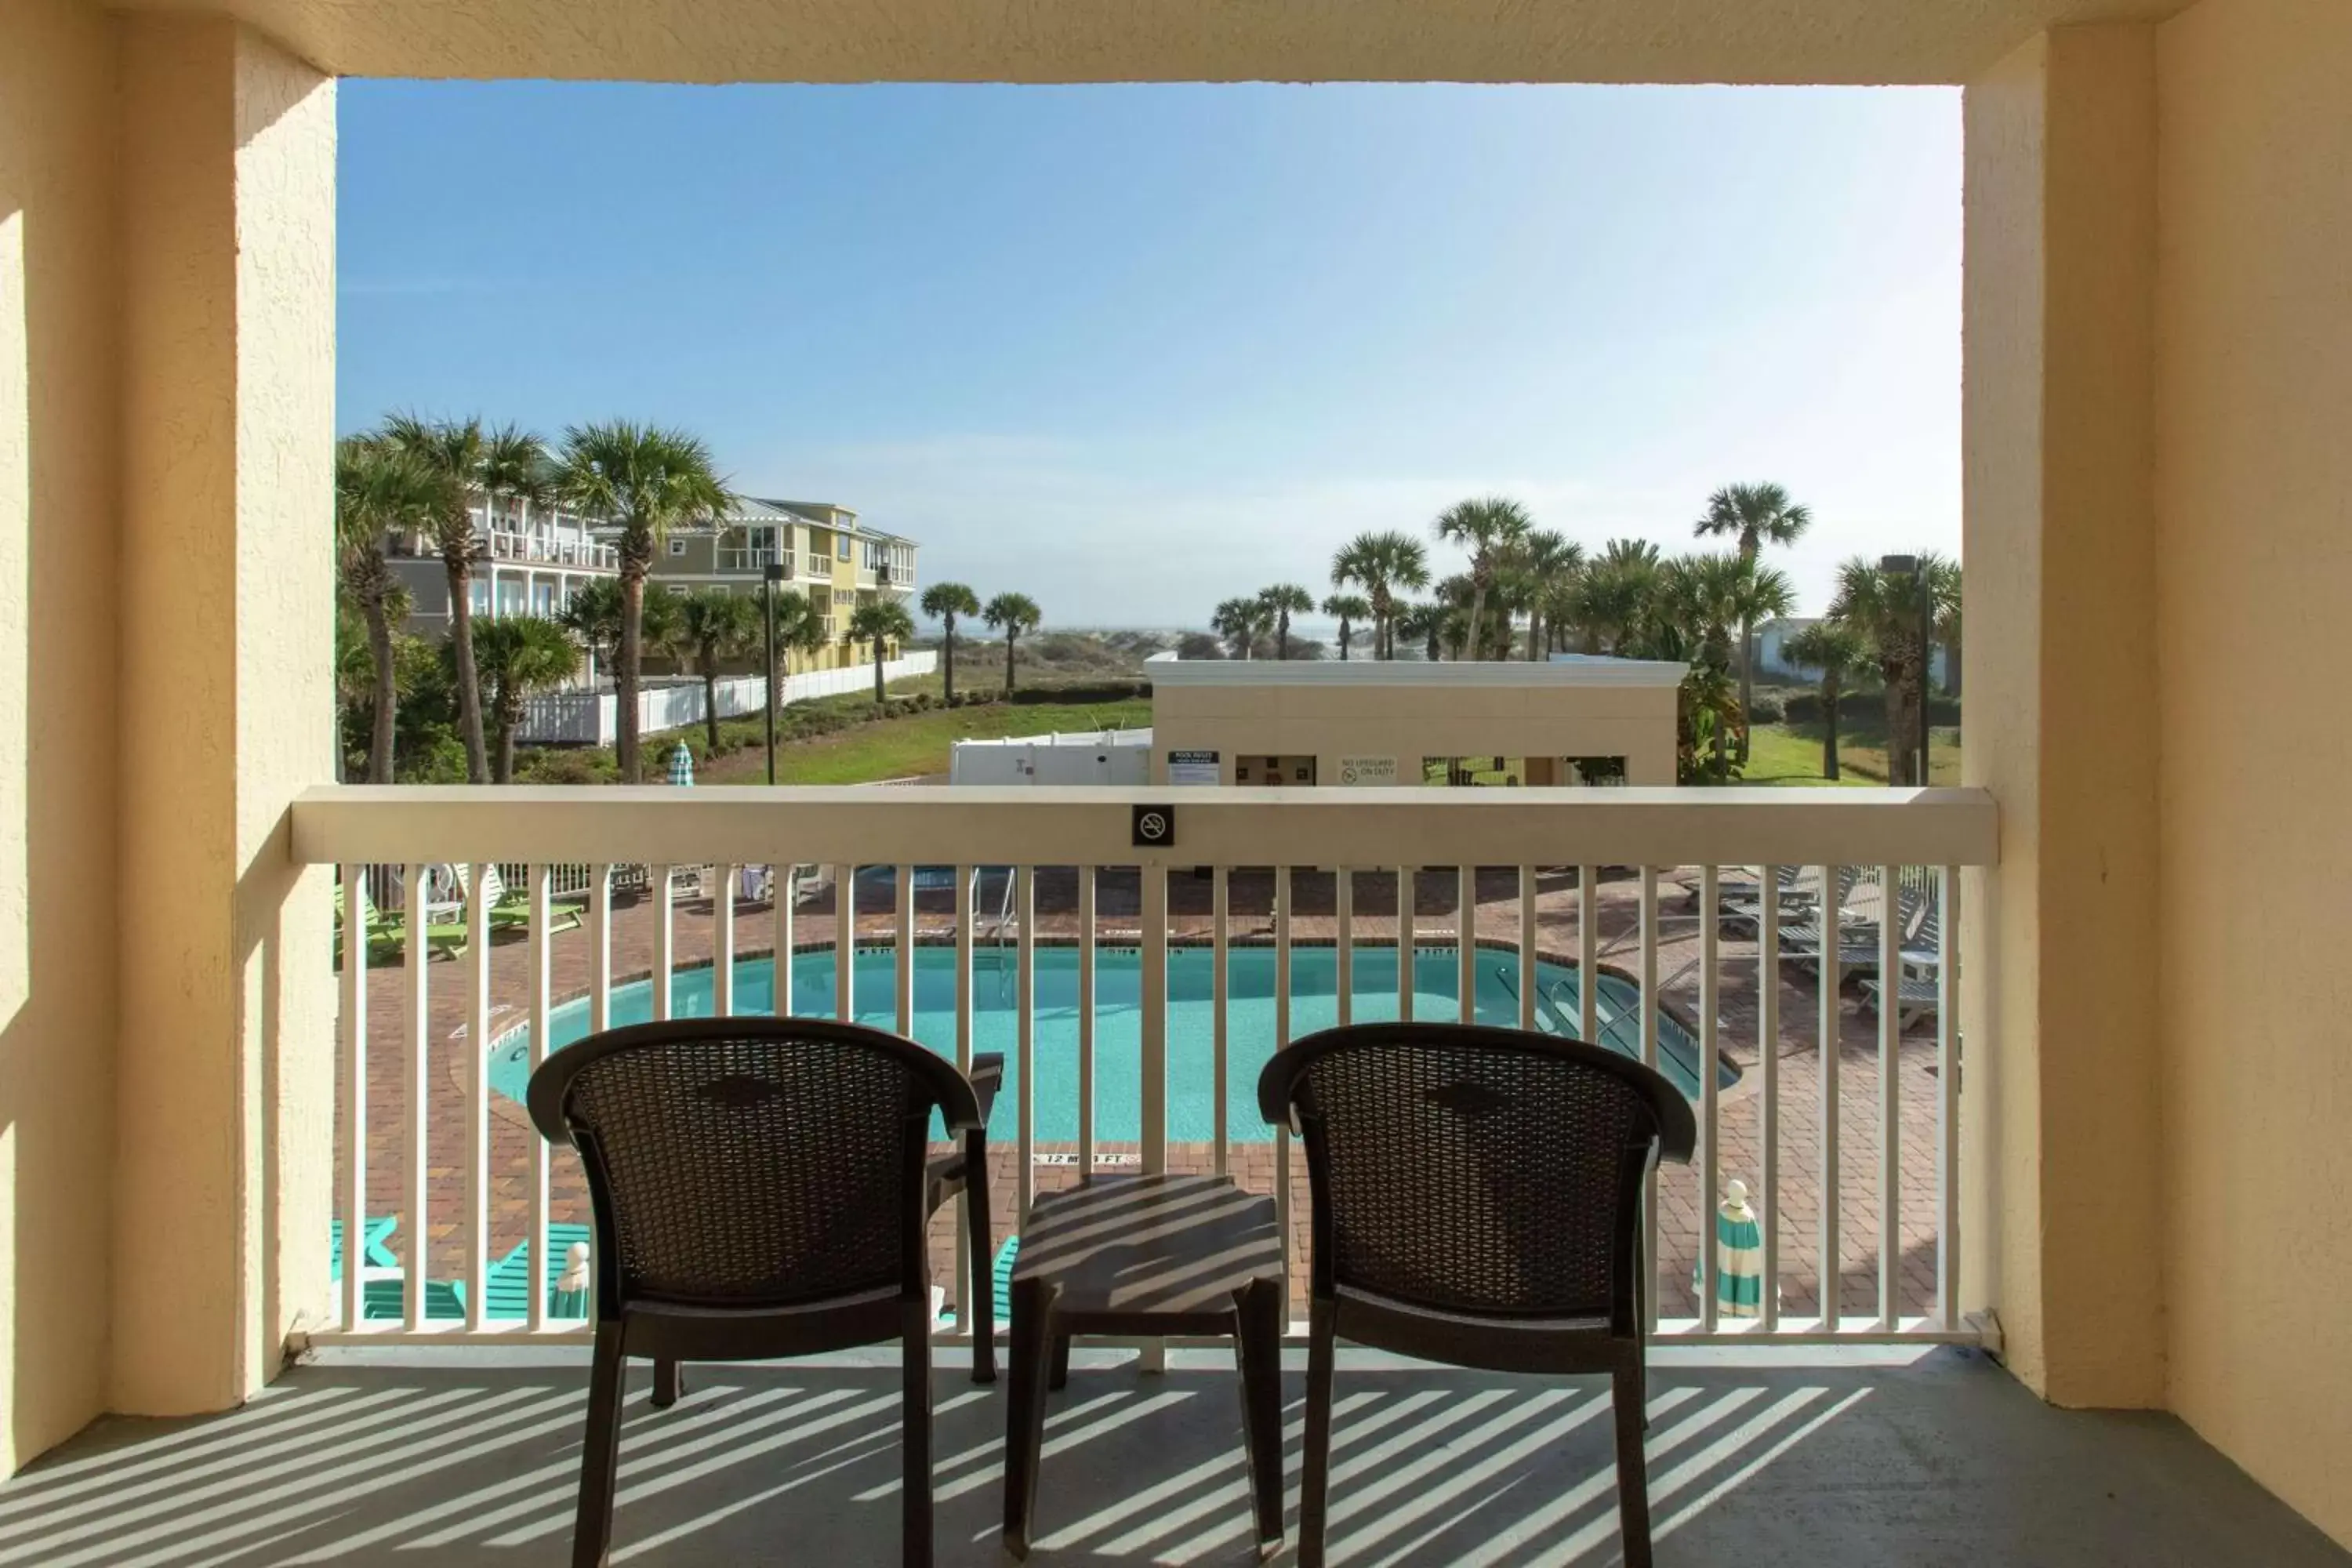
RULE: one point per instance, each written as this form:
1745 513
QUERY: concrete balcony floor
1817 1457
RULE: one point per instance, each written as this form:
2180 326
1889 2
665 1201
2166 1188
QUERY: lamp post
1913 567
775 574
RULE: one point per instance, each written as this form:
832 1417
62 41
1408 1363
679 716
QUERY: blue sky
1134 350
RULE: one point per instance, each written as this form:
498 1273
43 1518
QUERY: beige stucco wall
1409 723
225 1083
57 553
2254 502
2062 1209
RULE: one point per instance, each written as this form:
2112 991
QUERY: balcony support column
2062 1207
225 1072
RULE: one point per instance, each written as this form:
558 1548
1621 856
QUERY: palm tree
520 655
514 467
1383 565
1944 582
1450 604
1761 594
1611 597
1837 651
379 490
711 626
645 479
943 602
1491 527
1241 622
1546 565
1704 712
1348 609
453 450
593 616
1425 624
1702 598
881 622
1756 515
1882 608
1285 600
1012 614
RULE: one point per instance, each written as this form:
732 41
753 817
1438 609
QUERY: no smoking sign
1155 826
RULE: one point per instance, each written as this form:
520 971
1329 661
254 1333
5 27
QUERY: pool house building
1370 723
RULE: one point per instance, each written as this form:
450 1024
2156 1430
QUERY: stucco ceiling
1118 40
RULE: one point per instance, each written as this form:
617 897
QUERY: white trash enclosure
1104 757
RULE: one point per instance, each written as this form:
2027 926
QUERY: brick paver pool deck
1374 901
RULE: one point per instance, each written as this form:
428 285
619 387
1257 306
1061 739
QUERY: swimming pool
1191 1103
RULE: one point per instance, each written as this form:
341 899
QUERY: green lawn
1783 754
906 748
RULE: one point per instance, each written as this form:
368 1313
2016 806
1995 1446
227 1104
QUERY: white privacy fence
592 717
1134 992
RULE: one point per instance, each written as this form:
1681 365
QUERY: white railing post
1710 1145
1830 1262
780 964
966 1314
600 948
722 942
1588 954
904 936
1218 1002
1024 1002
1343 897
658 882
1768 1098
1948 1098
1465 938
1890 1098
1154 966
417 1091
355 1095
1528 932
1650 1000
1086 1024
540 913
845 943
1282 1039
477 1094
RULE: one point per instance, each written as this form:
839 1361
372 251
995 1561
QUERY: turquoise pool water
1191 1091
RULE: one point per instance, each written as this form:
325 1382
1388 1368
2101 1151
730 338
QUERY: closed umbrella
1739 1256
681 766
570 1296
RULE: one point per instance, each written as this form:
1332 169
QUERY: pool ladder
1551 1011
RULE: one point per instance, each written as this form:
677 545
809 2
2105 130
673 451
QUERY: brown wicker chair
760 1187
1476 1202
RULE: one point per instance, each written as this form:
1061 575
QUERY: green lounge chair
387 931
509 1283
375 1252
510 909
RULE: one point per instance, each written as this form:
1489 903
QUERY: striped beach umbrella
681 766
1739 1256
570 1299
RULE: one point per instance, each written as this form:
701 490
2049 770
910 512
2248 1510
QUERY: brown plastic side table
1147 1256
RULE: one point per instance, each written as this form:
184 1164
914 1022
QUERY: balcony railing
745 558
1135 993
540 551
